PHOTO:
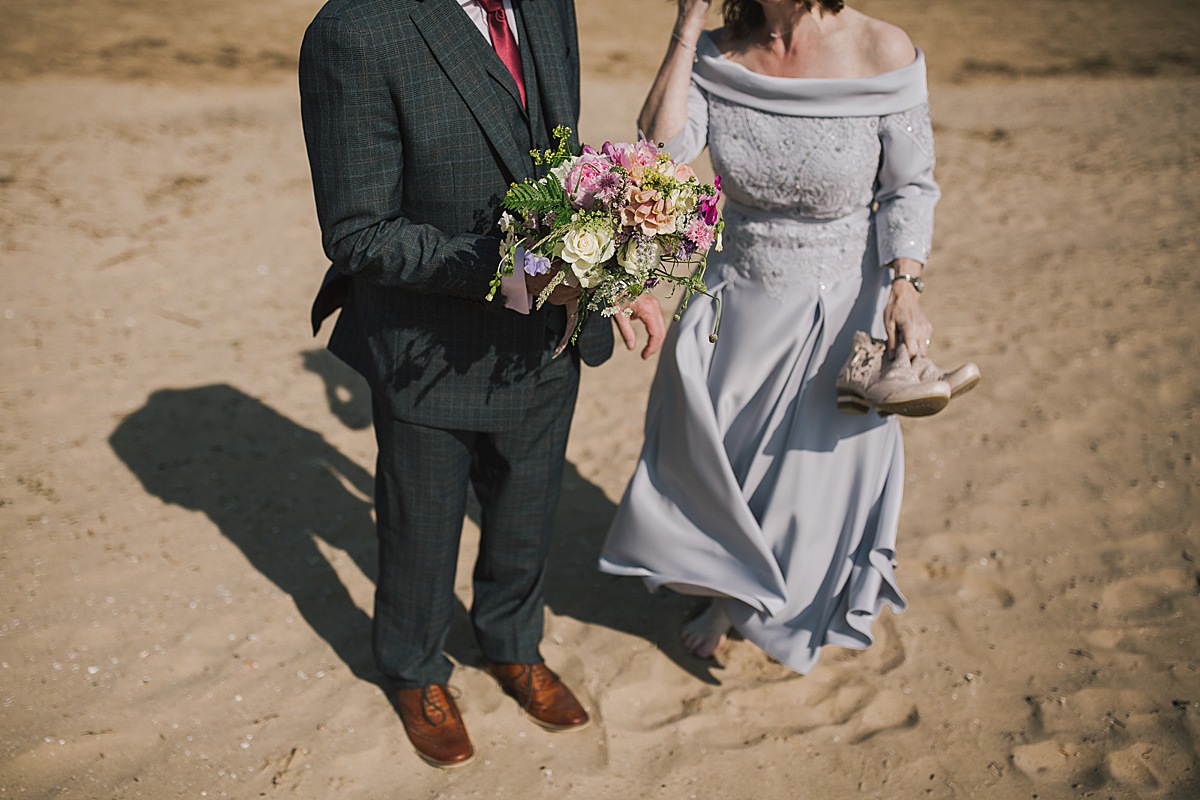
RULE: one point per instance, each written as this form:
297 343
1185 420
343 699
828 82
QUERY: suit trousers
421 483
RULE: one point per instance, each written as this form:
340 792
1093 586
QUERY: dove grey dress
751 484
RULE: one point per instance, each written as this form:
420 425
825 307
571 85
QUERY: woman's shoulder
884 46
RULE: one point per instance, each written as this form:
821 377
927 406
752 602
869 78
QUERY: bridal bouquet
614 222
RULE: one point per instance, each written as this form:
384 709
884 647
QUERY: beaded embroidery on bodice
800 191
814 167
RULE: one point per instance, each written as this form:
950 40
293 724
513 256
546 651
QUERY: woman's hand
903 319
692 13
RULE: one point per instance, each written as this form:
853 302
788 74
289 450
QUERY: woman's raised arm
665 113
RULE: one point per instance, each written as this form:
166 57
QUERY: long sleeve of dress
906 191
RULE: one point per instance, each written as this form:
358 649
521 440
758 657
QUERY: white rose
589 245
588 275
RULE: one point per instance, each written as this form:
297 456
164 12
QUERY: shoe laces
532 675
433 707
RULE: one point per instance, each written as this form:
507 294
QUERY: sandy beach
186 536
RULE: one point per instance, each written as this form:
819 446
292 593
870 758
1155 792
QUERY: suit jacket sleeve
357 159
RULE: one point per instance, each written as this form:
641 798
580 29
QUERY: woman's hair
743 16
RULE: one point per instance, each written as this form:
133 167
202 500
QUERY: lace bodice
814 171
811 167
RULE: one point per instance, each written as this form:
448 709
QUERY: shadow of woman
273 488
574 586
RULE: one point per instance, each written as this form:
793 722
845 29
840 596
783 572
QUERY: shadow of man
273 488
575 588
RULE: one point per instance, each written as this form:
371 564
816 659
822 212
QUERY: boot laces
861 365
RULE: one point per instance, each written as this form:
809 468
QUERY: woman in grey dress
752 488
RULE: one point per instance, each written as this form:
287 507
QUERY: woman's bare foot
706 634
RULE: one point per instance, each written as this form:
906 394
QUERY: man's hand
646 308
562 294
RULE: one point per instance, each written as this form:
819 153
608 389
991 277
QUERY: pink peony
586 178
633 157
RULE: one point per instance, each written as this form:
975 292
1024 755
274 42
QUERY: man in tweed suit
418 114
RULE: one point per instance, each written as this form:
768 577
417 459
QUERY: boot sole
913 407
965 386
552 727
916 407
852 404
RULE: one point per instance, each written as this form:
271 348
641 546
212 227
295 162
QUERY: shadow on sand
275 488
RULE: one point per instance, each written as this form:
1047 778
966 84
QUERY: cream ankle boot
869 379
961 380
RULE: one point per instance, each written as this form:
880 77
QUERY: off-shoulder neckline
708 43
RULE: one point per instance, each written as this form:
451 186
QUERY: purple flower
535 264
708 203
609 186
615 152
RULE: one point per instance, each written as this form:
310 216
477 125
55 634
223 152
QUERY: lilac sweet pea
535 264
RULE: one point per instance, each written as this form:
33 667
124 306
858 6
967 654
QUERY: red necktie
503 41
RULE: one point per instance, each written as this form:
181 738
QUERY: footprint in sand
887 711
1048 760
1147 595
985 591
1147 767
1101 736
970 587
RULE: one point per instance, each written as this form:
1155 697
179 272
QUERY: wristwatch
917 283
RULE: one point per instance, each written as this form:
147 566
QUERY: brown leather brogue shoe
543 696
434 726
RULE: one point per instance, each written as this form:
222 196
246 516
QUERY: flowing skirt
751 484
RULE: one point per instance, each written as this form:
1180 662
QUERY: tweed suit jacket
414 131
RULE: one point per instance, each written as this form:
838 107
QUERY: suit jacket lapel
464 57
555 78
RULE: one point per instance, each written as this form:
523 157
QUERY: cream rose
591 245
585 249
